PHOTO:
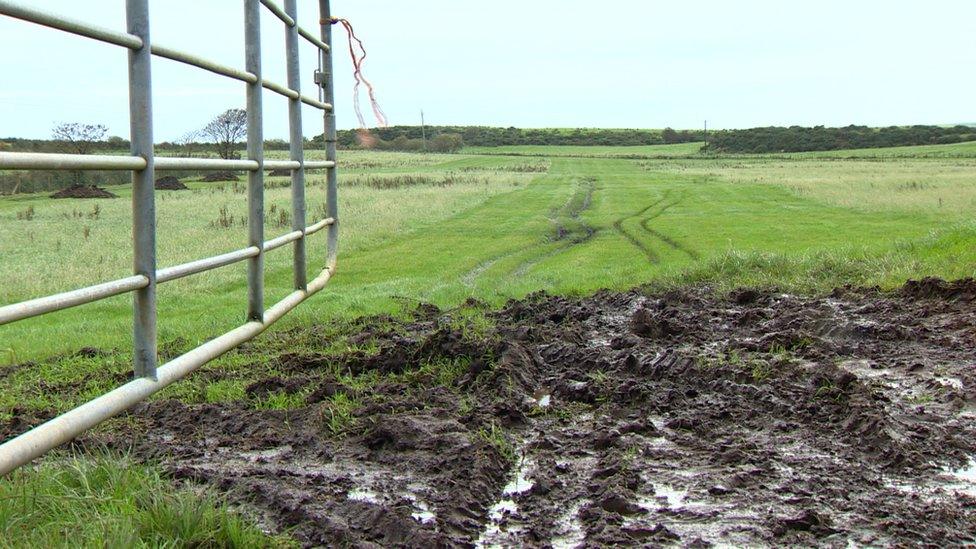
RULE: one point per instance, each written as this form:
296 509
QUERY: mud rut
685 418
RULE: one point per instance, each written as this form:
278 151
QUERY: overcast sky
528 63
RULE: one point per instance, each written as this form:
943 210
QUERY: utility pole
423 129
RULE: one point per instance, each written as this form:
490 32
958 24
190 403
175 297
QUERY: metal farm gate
148 377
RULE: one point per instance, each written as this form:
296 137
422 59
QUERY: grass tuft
109 501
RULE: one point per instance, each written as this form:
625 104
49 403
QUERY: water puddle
670 494
371 484
501 530
957 481
965 479
422 512
953 382
542 398
364 495
618 320
571 534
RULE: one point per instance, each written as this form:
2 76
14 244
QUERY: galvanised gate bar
148 377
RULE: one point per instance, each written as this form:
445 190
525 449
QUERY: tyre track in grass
567 229
670 241
618 226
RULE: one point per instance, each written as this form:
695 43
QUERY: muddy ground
686 418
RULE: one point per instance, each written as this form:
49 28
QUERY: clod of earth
83 191
170 183
220 176
685 417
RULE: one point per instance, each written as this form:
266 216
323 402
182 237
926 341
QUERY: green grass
680 149
444 228
692 150
495 232
457 226
109 501
942 186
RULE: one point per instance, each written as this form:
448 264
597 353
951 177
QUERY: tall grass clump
110 501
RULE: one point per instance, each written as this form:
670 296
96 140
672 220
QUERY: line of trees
225 134
484 136
820 138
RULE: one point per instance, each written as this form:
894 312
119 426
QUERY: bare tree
188 141
226 131
77 137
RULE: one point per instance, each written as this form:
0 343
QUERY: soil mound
280 173
83 191
221 176
684 418
170 183
936 288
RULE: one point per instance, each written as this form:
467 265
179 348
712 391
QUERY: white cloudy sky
530 63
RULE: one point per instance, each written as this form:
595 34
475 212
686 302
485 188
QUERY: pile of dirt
681 418
83 191
220 176
170 183
280 173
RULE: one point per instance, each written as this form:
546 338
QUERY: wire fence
149 377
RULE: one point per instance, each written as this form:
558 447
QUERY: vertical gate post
328 87
143 190
297 149
255 151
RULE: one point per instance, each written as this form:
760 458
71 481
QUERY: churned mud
686 418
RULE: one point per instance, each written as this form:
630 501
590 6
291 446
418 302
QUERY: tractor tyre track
567 229
618 226
671 242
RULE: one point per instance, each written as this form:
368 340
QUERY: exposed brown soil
683 418
220 176
280 173
170 183
83 191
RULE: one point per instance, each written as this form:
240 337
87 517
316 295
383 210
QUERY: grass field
441 229
693 150
681 149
